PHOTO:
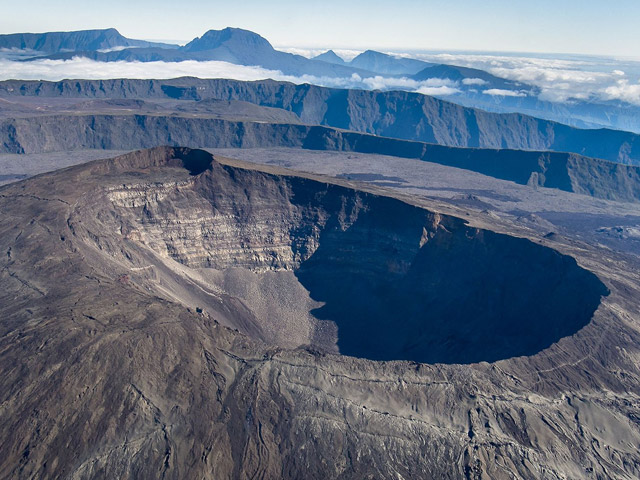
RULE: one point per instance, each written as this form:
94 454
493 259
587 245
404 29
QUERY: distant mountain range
466 86
387 64
397 114
83 40
241 47
232 45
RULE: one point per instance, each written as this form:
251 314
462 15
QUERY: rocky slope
387 64
569 172
403 115
82 40
109 367
330 57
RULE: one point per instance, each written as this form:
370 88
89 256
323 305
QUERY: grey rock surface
113 366
115 131
545 211
403 115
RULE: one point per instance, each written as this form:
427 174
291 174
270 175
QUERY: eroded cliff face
565 171
395 281
108 368
397 114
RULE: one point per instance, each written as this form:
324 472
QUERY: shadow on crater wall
465 296
400 282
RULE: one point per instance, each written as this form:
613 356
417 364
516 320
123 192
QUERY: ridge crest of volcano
293 261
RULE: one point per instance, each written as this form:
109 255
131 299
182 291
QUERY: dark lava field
221 279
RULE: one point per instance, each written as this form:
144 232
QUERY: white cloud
430 86
114 49
474 81
484 62
85 68
542 76
18 53
80 67
346 54
438 91
504 93
624 91
439 82
557 79
554 80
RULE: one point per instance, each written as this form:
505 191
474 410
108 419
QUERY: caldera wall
397 281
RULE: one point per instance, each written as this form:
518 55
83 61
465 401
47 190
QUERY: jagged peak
373 54
330 56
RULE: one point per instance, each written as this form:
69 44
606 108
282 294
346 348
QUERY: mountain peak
372 53
387 64
231 37
330 57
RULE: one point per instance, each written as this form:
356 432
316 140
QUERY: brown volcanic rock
108 369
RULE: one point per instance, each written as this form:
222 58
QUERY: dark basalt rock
568 172
130 347
423 287
402 115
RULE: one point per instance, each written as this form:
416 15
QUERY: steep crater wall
399 282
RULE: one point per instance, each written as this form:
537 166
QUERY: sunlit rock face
379 278
165 314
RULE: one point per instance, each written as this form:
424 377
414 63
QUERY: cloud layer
559 79
556 79
85 68
79 67
498 92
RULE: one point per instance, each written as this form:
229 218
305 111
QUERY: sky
593 27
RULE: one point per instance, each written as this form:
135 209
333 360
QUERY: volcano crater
344 270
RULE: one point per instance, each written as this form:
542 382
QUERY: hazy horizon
559 77
569 26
